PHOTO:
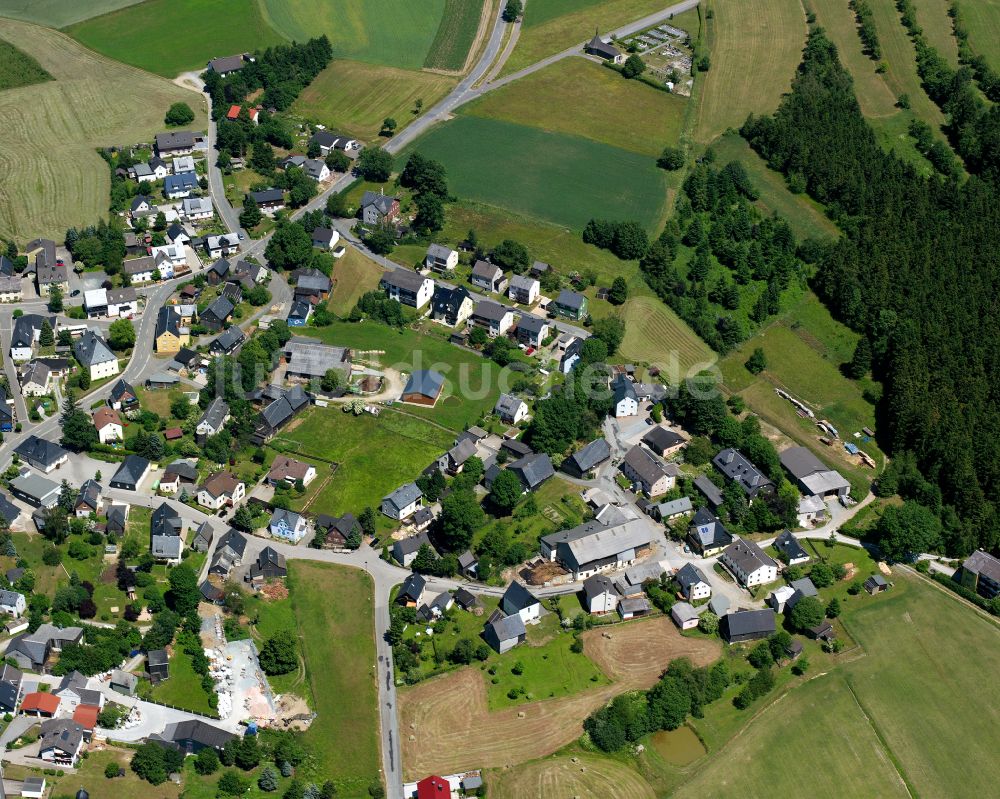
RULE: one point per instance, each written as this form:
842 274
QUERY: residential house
183 163
649 473
12 603
235 111
311 283
49 276
570 304
41 454
288 525
288 471
493 317
166 549
599 594
60 741
598 545
39 704
707 535
625 401
108 424
10 288
219 246
709 490
34 489
26 332
737 468
193 735
811 475
510 409
488 277
790 550
748 563
309 359
140 270
142 173
227 341
747 625
30 651
131 473
213 419
454 459
423 387
664 441
95 355
468 564
327 140
405 550
810 509
222 489
89 500
822 631
176 187
196 208
377 209
570 355
316 169
325 238
408 288
402 502
531 331
162 380
299 313
228 553
169 336
980 572
693 583
6 412
587 458
284 404
142 207
10 688
412 590
503 633
123 682
440 258
452 306
523 289
157 665
668 511
270 565
532 470
269 201
178 142
217 314
335 530
597 46
203 538
210 593
229 64
801 588
179 475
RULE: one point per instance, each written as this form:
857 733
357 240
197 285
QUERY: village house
213 419
664 441
423 387
227 341
405 550
532 470
790 550
980 572
131 473
412 591
178 142
748 563
519 600
37 491
228 553
488 277
649 473
226 66
270 565
221 490
598 545
811 475
494 318
337 529
325 238
707 535
179 475
288 471
269 201
408 288
288 525
737 468
108 424
587 458
219 246
196 208
693 583
41 454
625 400
60 741
378 209
176 187
600 595
503 633
89 500
523 289
308 359
440 258
531 331
10 288
122 396
36 379
747 625
403 502
12 603
570 304
510 409
217 314
451 306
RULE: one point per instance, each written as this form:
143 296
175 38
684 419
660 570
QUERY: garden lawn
353 275
178 35
560 178
393 32
30 546
334 617
581 98
89 775
448 632
982 18
375 455
183 687
455 35
354 96
17 68
59 13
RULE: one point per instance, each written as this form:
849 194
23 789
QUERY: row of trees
929 330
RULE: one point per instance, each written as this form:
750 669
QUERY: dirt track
452 728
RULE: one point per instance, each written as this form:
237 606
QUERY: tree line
915 274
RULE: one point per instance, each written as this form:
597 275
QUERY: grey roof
602 48
39 450
634 604
491 311
684 611
25 328
404 495
426 382
119 677
508 404
90 494
467 559
131 471
9 598
220 310
747 555
462 451
533 469
719 604
800 462
407 546
507 627
803 587
210 592
877 580
63 734
750 622
532 324
667 509
91 350
313 167
413 586
570 299
738 468
382 203
623 389
486 270
647 465
167 321
33 485
175 140
9 511
689 575
598 584
404 279
439 251
523 282
984 564
312 280
709 490
117 517
322 235
165 521
517 598
35 372
197 731
709 530
157 657
662 438
788 544
215 413
233 541
589 456
306 356
136 266
229 63
289 517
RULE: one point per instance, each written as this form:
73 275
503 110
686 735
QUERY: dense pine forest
917 274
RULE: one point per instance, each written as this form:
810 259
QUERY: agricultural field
561 178
551 26
18 68
355 97
53 177
59 13
177 35
655 334
583 776
391 32
798 727
448 713
358 444
581 98
455 35
755 50
353 275
932 15
982 17
334 616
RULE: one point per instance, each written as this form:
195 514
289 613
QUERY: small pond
678 747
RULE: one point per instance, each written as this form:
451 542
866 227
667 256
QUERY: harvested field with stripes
588 778
53 176
655 334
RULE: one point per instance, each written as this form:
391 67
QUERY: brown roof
221 483
172 433
285 468
44 702
86 716
105 416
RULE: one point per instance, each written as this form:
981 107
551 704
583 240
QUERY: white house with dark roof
531 330
587 458
523 289
41 454
488 277
653 476
493 317
96 356
693 583
788 546
451 306
597 546
510 409
624 397
405 549
749 563
214 418
707 534
377 208
408 288
600 595
517 599
403 502
288 525
440 258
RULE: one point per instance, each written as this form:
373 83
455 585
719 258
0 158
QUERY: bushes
627 240
758 685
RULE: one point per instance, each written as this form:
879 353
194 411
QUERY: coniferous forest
917 274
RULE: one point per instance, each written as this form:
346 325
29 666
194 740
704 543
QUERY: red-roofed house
234 113
40 703
173 433
86 717
109 425
433 788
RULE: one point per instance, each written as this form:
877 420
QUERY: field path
447 726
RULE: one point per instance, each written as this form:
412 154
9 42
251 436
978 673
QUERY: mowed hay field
982 18
393 32
582 98
755 49
334 619
586 778
655 334
933 18
551 26
59 13
353 275
53 178
557 177
168 37
814 741
457 31
354 97
446 725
